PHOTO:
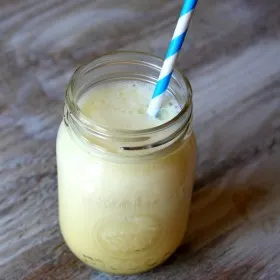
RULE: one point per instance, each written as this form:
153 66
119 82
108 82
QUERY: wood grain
232 57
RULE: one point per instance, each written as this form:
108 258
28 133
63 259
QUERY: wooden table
232 57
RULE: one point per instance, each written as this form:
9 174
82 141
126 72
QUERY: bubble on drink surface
170 108
141 111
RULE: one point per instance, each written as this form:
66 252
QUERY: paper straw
171 55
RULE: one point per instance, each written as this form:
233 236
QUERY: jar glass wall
124 195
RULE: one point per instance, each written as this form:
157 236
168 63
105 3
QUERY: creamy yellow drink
123 214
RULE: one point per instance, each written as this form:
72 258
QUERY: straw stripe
154 105
162 85
181 25
166 67
175 45
171 55
188 6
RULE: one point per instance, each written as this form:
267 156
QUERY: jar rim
91 125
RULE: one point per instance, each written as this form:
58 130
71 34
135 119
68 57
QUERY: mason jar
124 195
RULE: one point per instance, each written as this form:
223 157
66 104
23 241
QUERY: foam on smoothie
123 105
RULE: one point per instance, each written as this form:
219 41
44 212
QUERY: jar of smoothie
124 178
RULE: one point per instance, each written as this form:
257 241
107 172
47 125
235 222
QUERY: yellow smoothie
120 214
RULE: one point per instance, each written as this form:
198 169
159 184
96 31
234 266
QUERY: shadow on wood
217 210
214 212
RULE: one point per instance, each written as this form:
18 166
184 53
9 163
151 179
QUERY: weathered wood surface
232 56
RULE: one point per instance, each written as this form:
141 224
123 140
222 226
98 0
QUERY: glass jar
124 195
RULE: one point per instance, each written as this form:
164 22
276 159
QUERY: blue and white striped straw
171 55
